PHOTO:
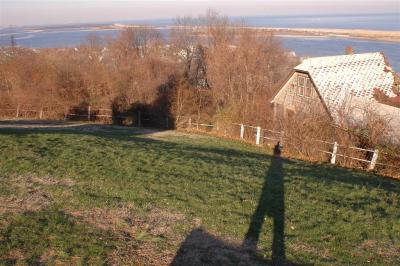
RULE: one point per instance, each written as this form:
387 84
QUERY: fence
89 113
136 118
333 150
22 111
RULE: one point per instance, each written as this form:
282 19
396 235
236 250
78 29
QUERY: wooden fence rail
269 134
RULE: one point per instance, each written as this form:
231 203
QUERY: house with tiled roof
342 87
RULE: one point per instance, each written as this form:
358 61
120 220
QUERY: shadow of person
271 203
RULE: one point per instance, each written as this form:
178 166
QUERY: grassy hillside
92 194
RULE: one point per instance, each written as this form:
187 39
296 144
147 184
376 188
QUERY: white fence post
241 131
258 135
334 151
373 160
41 114
190 122
17 111
88 115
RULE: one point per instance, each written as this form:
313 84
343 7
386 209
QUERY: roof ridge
343 55
325 61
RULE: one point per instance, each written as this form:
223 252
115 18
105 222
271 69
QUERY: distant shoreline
362 34
374 35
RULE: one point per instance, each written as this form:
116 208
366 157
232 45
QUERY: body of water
366 22
325 46
51 39
303 46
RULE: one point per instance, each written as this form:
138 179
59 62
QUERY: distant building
342 87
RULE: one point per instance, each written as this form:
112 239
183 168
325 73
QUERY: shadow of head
202 248
278 149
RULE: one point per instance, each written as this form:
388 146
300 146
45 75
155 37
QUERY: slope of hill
91 194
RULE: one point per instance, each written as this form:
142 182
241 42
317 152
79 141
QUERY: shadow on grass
271 204
201 248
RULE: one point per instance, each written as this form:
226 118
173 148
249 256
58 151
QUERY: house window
308 88
301 82
303 86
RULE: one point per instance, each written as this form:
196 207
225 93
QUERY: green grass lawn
94 194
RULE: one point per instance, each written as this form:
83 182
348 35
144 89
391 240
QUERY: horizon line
195 17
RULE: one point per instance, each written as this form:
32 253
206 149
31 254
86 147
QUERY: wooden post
190 122
88 116
373 160
334 151
241 131
17 114
166 122
258 135
274 113
139 117
281 136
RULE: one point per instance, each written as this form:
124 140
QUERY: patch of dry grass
28 194
135 235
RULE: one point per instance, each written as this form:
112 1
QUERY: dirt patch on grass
33 201
131 252
13 256
384 251
160 222
49 181
29 194
108 219
306 248
139 238
29 183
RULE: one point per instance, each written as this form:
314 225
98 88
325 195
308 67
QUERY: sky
42 12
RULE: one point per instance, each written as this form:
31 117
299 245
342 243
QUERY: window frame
303 86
